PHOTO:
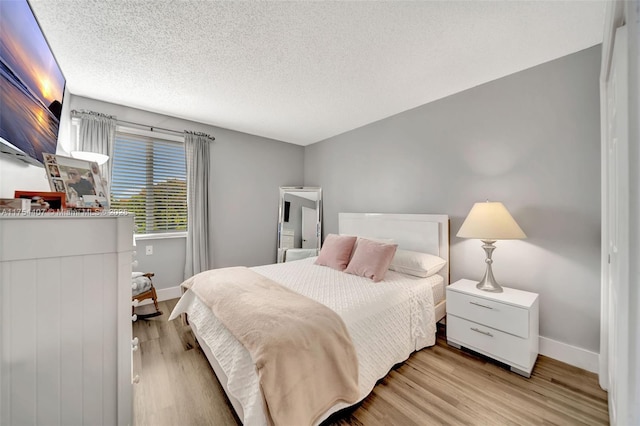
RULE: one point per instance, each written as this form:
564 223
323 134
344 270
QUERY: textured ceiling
301 72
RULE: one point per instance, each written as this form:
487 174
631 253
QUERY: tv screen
31 85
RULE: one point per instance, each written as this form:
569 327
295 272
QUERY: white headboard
427 233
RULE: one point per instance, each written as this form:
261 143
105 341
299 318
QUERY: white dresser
65 310
503 326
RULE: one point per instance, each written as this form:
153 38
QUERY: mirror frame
290 189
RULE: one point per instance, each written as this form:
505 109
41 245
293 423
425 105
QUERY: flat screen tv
31 86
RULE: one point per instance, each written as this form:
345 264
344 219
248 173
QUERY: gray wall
530 140
247 174
167 260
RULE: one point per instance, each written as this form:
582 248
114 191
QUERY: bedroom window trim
161 236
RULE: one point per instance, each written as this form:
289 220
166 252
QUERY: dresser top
62 215
510 296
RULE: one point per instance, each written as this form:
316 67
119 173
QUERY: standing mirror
299 225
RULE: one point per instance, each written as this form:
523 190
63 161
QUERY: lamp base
488 286
488 282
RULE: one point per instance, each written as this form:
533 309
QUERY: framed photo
80 180
44 201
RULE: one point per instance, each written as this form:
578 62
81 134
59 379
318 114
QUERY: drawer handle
486 333
482 306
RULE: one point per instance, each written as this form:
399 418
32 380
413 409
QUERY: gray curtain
198 166
97 134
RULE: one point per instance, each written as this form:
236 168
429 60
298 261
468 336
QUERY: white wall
18 175
530 140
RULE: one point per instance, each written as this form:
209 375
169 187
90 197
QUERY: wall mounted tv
31 86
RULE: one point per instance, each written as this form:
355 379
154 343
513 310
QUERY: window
149 179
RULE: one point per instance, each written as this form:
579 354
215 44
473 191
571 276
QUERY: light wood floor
437 385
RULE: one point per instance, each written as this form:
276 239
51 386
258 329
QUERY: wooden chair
149 294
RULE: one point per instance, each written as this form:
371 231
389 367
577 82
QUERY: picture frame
80 180
44 202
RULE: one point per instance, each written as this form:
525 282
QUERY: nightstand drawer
500 316
502 346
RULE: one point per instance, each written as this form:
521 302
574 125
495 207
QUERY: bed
387 320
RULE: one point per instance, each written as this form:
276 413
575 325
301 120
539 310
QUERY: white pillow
415 263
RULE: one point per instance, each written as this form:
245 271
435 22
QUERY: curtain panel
97 134
198 173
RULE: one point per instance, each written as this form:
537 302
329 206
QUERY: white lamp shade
490 221
90 156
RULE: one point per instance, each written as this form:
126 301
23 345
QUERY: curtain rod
77 114
166 130
152 128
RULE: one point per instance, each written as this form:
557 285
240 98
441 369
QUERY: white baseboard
165 294
169 293
572 355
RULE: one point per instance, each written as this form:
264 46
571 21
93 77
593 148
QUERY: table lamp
490 221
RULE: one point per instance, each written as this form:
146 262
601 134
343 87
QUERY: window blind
149 180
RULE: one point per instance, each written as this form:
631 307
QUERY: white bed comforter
387 321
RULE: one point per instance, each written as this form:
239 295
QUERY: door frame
623 407
613 19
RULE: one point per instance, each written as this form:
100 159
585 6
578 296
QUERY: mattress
387 321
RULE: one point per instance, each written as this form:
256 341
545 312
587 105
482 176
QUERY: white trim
164 294
613 19
616 355
169 293
572 355
161 236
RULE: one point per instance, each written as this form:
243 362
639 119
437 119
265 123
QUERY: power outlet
148 250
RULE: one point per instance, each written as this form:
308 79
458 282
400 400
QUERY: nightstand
502 326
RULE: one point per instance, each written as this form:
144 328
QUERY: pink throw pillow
336 251
371 259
